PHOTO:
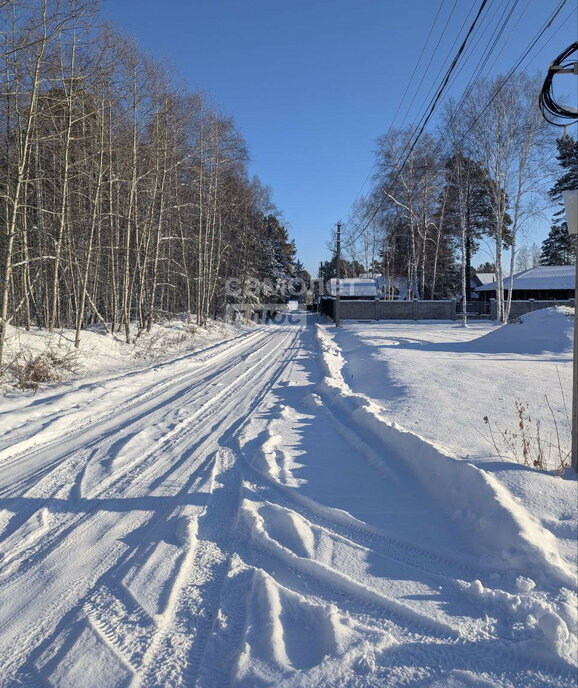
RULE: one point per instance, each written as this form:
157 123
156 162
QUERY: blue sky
312 83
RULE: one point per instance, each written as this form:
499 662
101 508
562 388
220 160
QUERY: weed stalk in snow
527 444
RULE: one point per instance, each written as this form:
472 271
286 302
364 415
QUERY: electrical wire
422 111
541 32
487 53
563 22
512 71
369 174
422 52
551 110
431 60
434 103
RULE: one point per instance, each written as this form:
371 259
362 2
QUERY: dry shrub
157 344
528 445
30 370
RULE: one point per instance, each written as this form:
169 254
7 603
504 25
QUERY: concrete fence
359 309
520 307
367 309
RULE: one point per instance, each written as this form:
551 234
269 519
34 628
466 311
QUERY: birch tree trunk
15 201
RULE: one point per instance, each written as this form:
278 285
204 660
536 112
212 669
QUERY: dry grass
154 345
528 444
29 370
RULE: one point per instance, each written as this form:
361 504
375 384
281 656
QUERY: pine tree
278 263
559 248
478 218
486 267
328 269
568 159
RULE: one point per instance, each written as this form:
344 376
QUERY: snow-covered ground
439 380
250 514
100 350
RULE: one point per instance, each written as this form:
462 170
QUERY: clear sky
312 83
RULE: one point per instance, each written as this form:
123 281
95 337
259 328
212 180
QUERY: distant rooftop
353 286
397 285
486 277
539 278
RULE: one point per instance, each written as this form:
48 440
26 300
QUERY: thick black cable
551 110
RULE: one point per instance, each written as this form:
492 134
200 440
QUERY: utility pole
571 205
337 274
562 116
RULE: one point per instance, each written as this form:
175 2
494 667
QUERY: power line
540 33
422 52
471 84
511 34
518 63
432 108
563 22
431 60
478 72
368 176
494 40
424 108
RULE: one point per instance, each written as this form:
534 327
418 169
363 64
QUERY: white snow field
251 515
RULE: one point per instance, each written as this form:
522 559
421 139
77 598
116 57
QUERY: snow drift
504 533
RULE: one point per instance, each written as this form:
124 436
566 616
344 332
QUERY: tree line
124 195
478 181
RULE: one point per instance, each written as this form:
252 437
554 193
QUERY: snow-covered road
232 518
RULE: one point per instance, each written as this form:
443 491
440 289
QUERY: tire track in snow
55 481
211 354
152 392
194 477
397 549
507 650
135 474
195 595
201 600
132 476
229 409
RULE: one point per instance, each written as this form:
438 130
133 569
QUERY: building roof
486 277
352 287
540 278
398 284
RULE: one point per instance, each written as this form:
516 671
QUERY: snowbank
506 535
100 351
547 329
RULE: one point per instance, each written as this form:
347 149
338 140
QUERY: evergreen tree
559 248
280 252
278 259
328 269
568 159
301 281
478 215
300 272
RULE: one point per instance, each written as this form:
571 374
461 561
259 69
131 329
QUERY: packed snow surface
294 506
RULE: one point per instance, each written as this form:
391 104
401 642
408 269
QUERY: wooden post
337 274
575 372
